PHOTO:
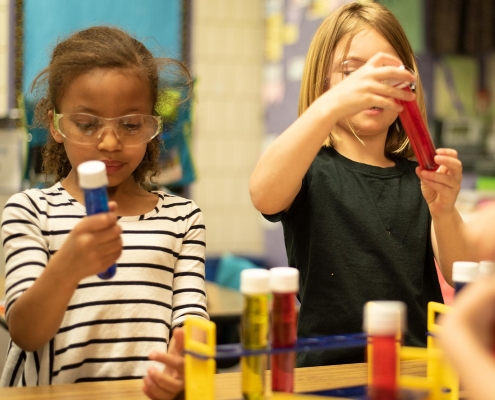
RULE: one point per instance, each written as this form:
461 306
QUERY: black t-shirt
358 233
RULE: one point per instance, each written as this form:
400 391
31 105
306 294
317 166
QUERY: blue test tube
93 181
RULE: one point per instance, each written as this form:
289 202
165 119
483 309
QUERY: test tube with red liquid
284 285
384 323
417 132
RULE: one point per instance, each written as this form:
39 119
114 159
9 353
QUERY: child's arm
468 336
36 314
167 384
440 189
277 178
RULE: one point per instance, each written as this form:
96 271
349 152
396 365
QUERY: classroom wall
227 58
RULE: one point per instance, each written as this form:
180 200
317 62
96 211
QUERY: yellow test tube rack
199 371
441 382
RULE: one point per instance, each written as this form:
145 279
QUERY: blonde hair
343 24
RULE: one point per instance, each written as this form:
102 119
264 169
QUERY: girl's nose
109 140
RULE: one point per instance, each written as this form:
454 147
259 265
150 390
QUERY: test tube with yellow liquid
255 286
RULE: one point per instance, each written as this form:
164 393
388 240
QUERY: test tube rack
440 383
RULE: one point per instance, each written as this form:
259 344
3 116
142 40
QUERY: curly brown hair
103 47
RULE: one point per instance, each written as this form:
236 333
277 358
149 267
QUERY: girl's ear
55 135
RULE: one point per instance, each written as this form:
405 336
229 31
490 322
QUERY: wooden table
228 386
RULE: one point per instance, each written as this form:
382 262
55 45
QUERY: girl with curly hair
67 325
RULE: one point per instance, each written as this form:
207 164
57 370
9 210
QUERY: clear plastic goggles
131 130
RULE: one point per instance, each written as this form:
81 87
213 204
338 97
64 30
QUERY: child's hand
467 336
93 245
366 87
167 384
440 188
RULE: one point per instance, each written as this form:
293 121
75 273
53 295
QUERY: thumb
177 342
112 206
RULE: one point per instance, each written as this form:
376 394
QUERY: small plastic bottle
93 181
254 331
284 285
464 272
384 322
486 268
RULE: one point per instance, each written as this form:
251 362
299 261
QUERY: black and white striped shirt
110 326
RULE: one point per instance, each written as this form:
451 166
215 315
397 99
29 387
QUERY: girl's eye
132 127
346 72
87 129
350 66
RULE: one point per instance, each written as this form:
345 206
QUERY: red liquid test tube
418 134
284 285
383 321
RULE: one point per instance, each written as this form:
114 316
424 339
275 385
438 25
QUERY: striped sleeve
25 248
189 289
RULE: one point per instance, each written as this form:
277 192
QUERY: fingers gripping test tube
284 285
93 181
384 322
254 331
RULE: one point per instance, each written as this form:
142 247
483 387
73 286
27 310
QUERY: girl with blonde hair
362 221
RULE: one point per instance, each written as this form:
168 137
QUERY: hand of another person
93 245
168 383
468 337
441 187
367 87
480 232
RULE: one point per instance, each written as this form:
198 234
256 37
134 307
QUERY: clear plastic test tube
384 322
254 331
284 285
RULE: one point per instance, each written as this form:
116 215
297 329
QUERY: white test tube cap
92 174
486 268
384 318
284 280
255 281
464 271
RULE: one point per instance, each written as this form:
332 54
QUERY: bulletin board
156 23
